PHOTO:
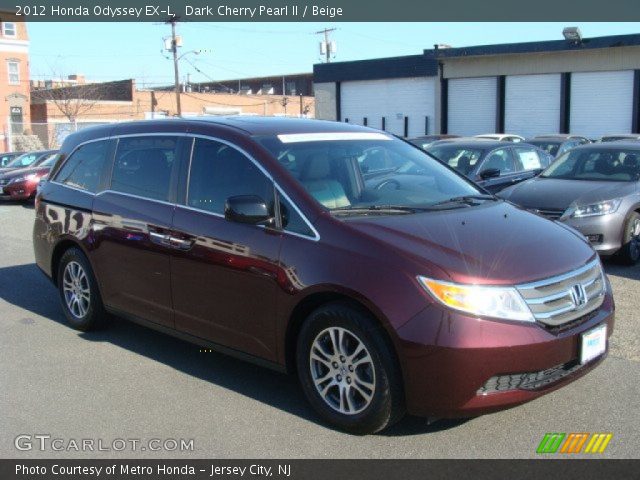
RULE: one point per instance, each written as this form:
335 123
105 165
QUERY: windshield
614 138
23 160
614 165
549 147
461 159
372 170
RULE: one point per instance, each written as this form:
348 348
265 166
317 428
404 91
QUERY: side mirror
250 209
489 173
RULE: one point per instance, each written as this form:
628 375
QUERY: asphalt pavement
130 383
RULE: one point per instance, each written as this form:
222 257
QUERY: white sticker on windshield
325 137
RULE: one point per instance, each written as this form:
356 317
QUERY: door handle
159 238
181 243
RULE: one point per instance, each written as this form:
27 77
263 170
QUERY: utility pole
328 49
174 50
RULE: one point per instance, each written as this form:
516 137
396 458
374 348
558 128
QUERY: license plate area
593 343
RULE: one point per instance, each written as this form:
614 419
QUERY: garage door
472 105
532 104
392 99
601 103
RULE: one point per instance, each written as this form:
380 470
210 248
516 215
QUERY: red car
22 184
402 290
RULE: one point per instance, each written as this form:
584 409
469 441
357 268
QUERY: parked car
556 145
259 237
594 189
426 140
5 158
501 137
492 165
29 159
22 184
624 137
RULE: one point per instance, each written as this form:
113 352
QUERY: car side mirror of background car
250 209
489 173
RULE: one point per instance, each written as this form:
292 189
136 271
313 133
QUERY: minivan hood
494 243
556 193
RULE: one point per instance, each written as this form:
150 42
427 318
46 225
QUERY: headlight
602 208
496 302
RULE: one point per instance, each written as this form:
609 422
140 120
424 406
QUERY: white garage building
589 88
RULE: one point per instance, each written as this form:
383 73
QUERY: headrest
316 167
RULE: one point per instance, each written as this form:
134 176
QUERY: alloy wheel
634 248
75 286
342 370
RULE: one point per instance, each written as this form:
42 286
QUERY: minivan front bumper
459 366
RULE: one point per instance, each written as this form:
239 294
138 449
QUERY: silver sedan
595 189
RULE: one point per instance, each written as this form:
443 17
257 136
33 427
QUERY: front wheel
630 251
79 293
348 371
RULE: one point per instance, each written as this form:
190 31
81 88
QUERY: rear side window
143 166
218 172
84 168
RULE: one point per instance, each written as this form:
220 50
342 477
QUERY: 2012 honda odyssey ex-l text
386 291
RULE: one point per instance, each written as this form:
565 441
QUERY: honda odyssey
411 291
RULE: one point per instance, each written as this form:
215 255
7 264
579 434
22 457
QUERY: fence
22 137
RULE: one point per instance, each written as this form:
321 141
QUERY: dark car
22 184
492 165
594 189
259 237
29 159
426 140
556 145
5 158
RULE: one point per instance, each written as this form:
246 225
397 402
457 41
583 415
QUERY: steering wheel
388 182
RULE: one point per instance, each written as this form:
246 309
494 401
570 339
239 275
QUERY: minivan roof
251 125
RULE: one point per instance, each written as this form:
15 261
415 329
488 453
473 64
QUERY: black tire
95 316
629 254
386 404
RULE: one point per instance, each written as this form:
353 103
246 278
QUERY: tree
73 101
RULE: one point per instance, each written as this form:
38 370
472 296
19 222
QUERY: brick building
57 111
14 77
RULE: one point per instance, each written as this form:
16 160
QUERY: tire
629 254
75 278
363 394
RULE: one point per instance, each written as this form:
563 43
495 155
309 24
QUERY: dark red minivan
386 290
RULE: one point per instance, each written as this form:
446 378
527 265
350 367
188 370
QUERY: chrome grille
564 298
552 214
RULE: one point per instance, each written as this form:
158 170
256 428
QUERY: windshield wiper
466 199
378 209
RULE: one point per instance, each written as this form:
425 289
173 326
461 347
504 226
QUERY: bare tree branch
74 101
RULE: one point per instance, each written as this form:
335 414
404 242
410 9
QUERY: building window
9 29
14 73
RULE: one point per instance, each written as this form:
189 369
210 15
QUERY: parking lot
131 382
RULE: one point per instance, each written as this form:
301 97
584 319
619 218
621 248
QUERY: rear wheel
79 293
630 251
347 370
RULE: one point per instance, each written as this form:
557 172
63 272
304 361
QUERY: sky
115 51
